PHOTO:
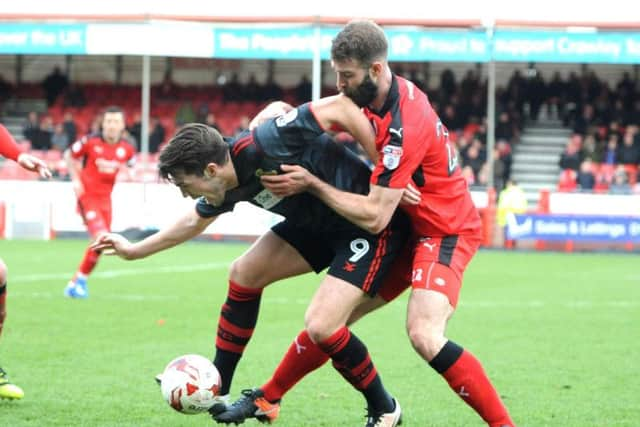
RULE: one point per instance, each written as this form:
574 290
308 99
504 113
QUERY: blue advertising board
559 46
43 39
573 227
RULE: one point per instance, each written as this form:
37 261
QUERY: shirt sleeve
8 146
205 210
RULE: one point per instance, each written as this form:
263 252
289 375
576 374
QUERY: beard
364 93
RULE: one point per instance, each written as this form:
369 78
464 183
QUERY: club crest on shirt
391 156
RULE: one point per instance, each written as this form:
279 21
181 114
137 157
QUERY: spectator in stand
498 170
54 84
253 89
31 127
451 120
42 138
556 97
243 125
135 130
536 93
166 91
212 122
620 184
628 153
586 120
303 90
591 149
504 127
59 139
447 83
474 157
157 135
570 158
203 112
586 180
271 90
232 90
504 150
610 154
185 114
69 126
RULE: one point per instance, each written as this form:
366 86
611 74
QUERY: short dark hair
113 109
363 41
191 149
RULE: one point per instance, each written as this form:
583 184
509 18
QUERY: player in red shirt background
101 157
411 147
11 150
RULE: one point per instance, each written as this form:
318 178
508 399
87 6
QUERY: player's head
359 58
197 160
112 124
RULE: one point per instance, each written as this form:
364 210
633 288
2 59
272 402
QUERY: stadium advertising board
299 42
43 39
559 46
574 227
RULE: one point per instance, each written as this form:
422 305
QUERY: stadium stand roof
454 13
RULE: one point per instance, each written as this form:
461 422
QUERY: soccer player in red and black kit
11 150
311 238
413 148
102 157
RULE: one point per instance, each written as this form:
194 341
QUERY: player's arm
10 149
371 212
340 112
185 228
274 109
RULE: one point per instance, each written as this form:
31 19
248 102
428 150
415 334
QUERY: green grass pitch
558 334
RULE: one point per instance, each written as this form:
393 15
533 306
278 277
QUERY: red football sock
302 358
467 378
89 261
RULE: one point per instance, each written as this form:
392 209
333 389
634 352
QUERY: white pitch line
121 272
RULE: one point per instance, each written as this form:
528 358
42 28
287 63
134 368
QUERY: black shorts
353 255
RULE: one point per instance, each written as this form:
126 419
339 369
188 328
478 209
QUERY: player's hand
34 164
113 244
411 195
294 180
78 187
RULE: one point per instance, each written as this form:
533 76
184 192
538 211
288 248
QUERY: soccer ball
190 384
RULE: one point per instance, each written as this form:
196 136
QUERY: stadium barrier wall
52 207
580 220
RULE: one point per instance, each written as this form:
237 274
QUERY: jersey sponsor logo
267 199
97 149
261 172
287 118
391 156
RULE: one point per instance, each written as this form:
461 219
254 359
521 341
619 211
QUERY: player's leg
437 276
7 389
269 259
358 263
96 214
